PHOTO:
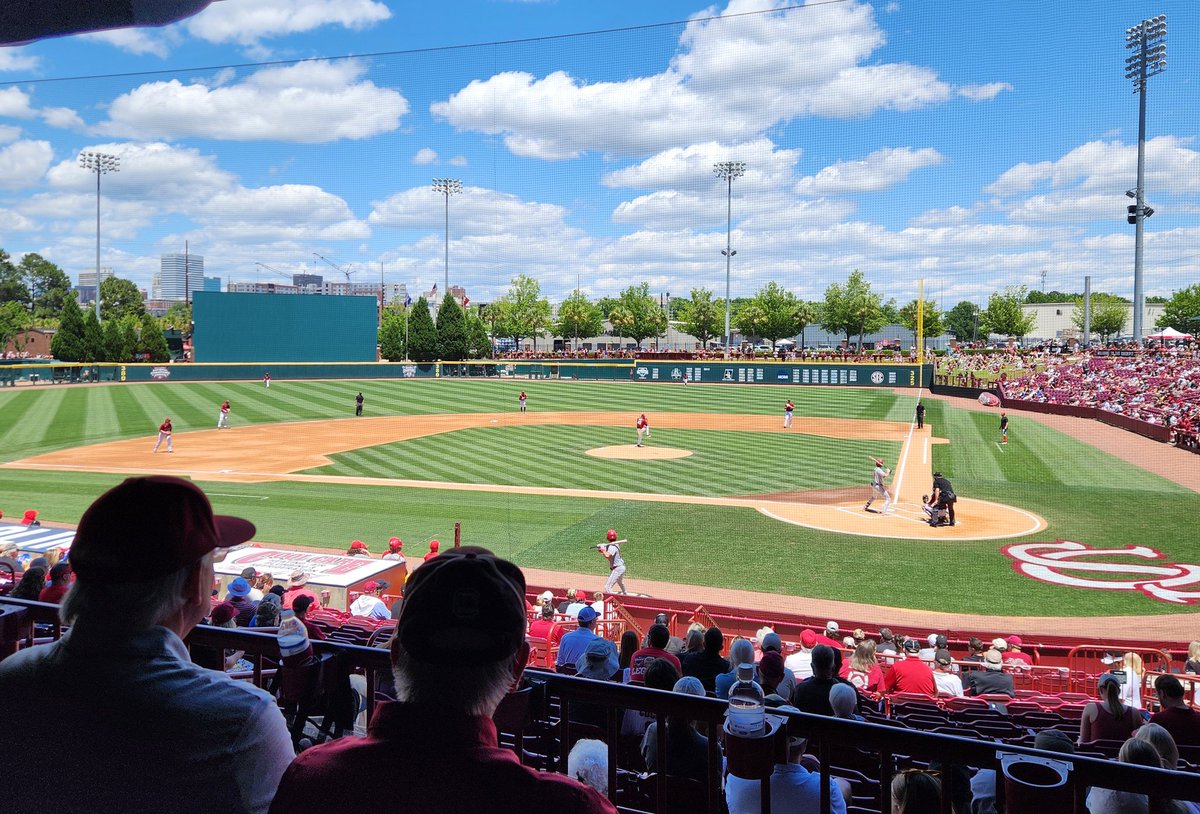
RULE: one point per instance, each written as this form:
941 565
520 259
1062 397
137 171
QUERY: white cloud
61 117
951 216
11 221
458 161
134 40
474 211
425 156
14 59
252 20
9 132
157 173
702 95
23 163
691 166
14 103
295 212
309 103
983 93
880 170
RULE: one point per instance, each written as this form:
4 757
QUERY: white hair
473 689
843 699
130 606
689 685
741 652
588 763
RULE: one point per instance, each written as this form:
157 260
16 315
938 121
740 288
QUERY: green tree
1004 314
451 330
522 311
479 344
12 285
852 308
577 316
422 334
773 314
113 340
807 314
391 334
963 321
1109 314
1182 311
119 298
179 316
638 315
93 339
67 342
702 316
151 342
48 285
13 320
933 323
129 339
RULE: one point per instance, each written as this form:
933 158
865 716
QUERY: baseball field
720 496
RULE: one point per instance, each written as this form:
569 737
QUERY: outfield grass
1084 494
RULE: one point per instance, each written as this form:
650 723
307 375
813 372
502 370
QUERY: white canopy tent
1168 334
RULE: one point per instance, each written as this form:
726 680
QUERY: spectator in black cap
459 648
149 729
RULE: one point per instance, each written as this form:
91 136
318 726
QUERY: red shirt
431 760
430 556
53 594
289 596
641 660
165 427
910 675
641 423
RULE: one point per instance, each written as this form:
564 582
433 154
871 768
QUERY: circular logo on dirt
877 377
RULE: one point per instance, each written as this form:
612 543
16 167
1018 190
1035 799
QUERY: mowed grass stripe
132 415
99 412
18 419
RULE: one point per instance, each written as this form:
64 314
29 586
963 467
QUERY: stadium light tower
728 170
99 163
447 187
1147 40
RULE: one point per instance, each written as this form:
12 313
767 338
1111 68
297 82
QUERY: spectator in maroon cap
60 583
150 730
300 608
459 648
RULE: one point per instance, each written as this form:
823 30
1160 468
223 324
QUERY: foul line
997 443
912 424
247 497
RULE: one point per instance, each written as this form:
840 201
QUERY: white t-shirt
800 663
947 683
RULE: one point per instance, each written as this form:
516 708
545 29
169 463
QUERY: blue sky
972 144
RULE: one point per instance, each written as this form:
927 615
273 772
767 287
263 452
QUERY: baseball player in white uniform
616 564
878 489
223 416
788 409
643 428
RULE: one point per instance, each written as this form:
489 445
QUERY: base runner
164 434
878 489
616 563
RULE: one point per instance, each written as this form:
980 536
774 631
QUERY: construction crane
271 269
340 269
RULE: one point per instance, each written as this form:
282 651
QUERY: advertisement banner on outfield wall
824 375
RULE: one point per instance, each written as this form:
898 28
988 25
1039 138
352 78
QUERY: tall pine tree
422 335
93 339
151 341
451 330
67 343
391 335
479 344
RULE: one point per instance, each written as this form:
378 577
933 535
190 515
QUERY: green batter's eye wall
283 328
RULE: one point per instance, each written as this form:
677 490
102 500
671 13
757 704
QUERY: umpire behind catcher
943 496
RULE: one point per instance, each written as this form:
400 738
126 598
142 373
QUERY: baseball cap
222 613
932 639
832 626
859 634
1014 640
999 643
464 607
912 646
937 474
808 638
943 657
546 596
772 641
382 584
148 527
249 573
1107 678
368 587
239 587
587 614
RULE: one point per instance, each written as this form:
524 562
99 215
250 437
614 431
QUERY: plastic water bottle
292 636
747 716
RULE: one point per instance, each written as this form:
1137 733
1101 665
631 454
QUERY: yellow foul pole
921 332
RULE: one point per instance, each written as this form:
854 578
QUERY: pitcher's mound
632 452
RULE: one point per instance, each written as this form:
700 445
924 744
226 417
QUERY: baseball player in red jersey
164 433
267 380
643 428
223 418
522 399
788 409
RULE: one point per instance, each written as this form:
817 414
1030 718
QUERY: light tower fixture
1147 41
447 187
99 163
728 170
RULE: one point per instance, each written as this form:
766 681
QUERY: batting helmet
612 535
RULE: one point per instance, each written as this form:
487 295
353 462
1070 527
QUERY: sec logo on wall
877 377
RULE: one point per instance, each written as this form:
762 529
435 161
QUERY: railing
894 747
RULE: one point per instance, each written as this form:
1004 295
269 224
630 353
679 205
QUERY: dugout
264 328
335 573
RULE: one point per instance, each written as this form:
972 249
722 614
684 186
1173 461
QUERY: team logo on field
1068 563
643 372
159 373
877 377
